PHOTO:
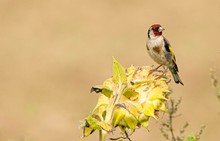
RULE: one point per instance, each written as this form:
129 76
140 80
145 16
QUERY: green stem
171 128
114 100
171 120
102 135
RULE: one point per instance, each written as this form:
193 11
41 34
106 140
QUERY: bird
160 50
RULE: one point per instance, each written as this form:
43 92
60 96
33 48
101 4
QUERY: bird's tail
175 75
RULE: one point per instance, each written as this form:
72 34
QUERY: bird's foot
155 70
163 74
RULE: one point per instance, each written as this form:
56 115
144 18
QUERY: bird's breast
155 50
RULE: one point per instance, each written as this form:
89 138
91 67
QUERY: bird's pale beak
161 29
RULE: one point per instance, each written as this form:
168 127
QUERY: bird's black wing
169 54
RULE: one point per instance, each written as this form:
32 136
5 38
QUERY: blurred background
52 52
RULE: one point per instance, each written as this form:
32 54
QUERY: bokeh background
52 52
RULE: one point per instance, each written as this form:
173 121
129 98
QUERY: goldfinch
161 52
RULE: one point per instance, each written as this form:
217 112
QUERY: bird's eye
155 29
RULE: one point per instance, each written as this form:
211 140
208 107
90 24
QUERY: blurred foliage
215 82
127 101
167 128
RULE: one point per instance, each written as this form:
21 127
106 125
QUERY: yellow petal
148 109
143 120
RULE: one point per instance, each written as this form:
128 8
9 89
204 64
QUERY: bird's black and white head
155 31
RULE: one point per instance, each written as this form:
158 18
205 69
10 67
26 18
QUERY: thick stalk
114 100
102 135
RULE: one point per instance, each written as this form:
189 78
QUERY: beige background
52 52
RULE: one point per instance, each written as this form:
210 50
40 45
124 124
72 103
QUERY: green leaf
131 121
130 93
106 92
119 76
143 120
87 131
105 126
190 138
119 114
92 123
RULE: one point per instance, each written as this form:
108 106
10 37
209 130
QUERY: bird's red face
157 29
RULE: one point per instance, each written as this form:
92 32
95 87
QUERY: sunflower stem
114 100
102 135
